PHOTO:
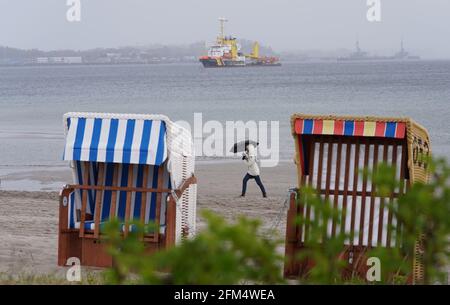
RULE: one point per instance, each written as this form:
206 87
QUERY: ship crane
255 51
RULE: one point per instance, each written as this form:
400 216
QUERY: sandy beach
28 219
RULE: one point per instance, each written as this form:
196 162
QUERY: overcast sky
283 24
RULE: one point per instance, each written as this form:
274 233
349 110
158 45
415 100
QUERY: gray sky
283 24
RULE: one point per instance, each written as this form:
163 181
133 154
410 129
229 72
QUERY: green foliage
320 247
424 213
222 254
129 253
236 253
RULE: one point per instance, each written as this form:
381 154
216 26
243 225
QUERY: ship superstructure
360 55
226 52
403 54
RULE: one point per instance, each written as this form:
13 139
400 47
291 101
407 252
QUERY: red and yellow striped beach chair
331 152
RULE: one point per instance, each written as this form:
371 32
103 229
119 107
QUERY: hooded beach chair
131 168
331 154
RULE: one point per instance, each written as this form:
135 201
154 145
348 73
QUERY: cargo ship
226 53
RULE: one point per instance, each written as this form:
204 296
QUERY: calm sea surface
33 99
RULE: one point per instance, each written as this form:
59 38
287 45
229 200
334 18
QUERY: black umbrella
240 146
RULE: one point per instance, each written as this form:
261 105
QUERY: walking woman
249 157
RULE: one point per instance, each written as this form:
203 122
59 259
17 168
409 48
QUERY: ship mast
222 21
358 49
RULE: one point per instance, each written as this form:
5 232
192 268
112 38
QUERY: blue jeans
258 181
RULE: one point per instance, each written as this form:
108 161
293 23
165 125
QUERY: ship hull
377 59
264 64
210 63
220 63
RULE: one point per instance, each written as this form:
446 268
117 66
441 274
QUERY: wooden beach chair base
354 257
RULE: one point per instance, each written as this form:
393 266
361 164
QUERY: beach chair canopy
384 131
115 139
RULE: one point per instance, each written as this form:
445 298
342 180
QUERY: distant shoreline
309 61
98 64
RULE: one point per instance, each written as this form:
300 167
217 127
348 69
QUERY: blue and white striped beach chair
128 167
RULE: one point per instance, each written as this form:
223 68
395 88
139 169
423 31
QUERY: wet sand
29 219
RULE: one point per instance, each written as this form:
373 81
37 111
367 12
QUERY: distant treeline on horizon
138 54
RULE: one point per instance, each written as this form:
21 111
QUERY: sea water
33 99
